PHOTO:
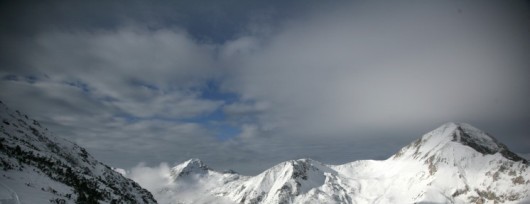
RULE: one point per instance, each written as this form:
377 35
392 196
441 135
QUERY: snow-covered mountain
455 163
37 167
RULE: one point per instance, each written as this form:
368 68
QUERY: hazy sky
247 84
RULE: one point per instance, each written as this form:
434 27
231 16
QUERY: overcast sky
247 84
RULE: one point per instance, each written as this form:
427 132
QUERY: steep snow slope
42 168
456 163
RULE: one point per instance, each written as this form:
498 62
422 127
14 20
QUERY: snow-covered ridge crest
451 136
455 163
42 168
192 166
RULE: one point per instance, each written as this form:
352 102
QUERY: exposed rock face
485 144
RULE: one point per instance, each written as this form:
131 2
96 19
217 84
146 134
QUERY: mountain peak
468 135
455 163
463 134
188 167
194 162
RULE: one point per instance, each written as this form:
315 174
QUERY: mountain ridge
464 134
455 163
38 167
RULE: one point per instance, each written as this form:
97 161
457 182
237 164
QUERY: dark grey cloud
206 20
368 66
332 81
119 93
367 74
128 70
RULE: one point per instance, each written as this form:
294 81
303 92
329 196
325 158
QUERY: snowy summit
455 163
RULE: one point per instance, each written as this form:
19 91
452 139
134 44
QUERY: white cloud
158 181
123 172
240 46
151 178
118 92
145 73
248 131
245 108
169 105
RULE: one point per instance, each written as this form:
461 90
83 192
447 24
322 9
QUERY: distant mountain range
37 167
455 163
